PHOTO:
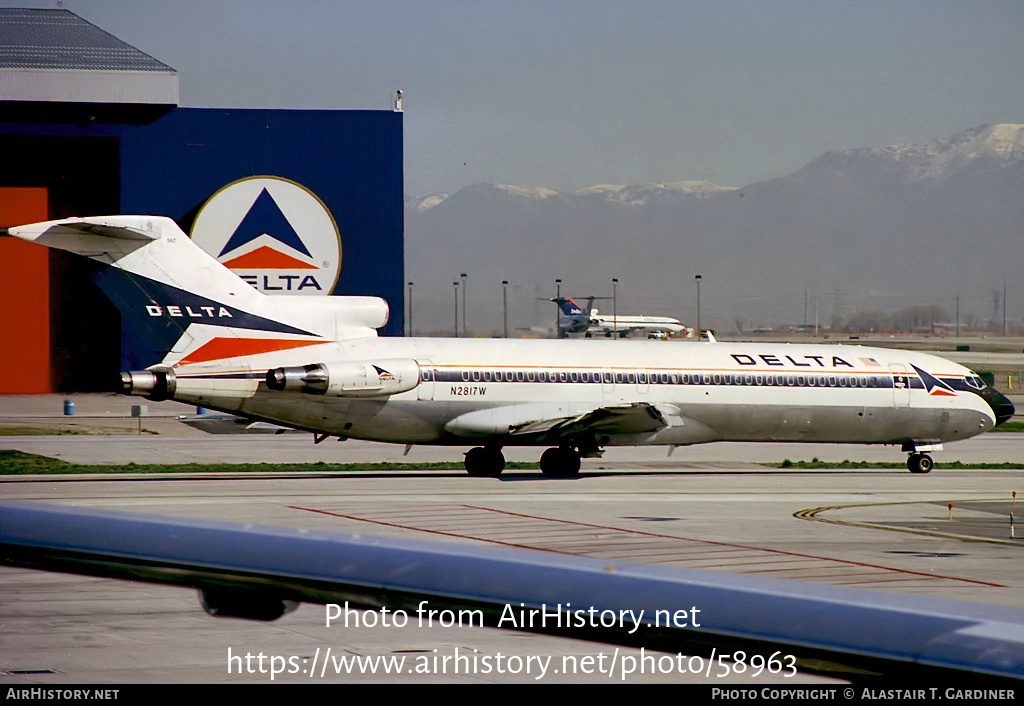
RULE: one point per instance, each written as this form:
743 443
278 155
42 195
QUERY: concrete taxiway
709 507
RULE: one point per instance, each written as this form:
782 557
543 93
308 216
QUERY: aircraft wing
560 420
257 573
636 418
654 328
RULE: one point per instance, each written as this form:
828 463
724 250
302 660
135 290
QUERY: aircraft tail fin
567 306
179 306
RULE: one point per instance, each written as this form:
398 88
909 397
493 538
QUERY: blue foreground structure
260 573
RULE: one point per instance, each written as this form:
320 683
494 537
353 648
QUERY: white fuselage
476 391
603 323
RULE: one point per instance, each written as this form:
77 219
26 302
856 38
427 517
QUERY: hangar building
301 202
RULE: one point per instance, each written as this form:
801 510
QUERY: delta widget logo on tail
274 233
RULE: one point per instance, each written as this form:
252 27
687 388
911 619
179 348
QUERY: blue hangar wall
350 160
291 174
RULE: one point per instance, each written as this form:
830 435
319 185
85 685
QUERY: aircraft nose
1002 408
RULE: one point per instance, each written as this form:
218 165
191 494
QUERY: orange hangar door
24 297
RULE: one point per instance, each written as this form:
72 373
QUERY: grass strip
20 463
954 465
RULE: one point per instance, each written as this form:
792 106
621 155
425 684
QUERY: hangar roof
56 56
59 39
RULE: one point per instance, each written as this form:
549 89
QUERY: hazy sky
567 94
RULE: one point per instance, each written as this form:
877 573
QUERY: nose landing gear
919 463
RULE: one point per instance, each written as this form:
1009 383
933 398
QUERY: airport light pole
805 311
698 278
558 307
410 310
455 287
615 307
463 276
504 304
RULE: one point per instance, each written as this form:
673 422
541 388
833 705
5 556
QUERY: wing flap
635 418
559 419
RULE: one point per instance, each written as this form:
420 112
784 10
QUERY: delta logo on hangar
274 233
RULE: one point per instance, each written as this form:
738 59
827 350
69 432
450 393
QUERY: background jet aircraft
626 325
210 339
572 317
590 322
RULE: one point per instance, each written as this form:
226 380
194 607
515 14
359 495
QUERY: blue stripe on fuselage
155 315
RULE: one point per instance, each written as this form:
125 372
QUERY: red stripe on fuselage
220 348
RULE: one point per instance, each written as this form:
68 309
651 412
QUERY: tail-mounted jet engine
157 384
350 379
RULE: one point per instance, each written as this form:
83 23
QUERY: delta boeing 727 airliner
317 364
587 320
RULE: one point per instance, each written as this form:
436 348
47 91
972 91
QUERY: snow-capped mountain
980 148
879 228
636 194
639 194
985 146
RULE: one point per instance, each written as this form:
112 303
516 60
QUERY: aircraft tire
482 462
919 463
560 462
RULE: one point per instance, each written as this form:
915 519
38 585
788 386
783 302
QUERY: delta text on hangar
302 202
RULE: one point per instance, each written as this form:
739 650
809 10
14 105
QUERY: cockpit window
975 382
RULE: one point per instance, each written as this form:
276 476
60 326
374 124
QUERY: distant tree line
914 319
929 318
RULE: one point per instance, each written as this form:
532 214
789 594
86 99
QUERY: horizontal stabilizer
222 423
94 237
124 227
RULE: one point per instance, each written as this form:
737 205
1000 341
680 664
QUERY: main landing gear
485 462
560 462
919 463
556 462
